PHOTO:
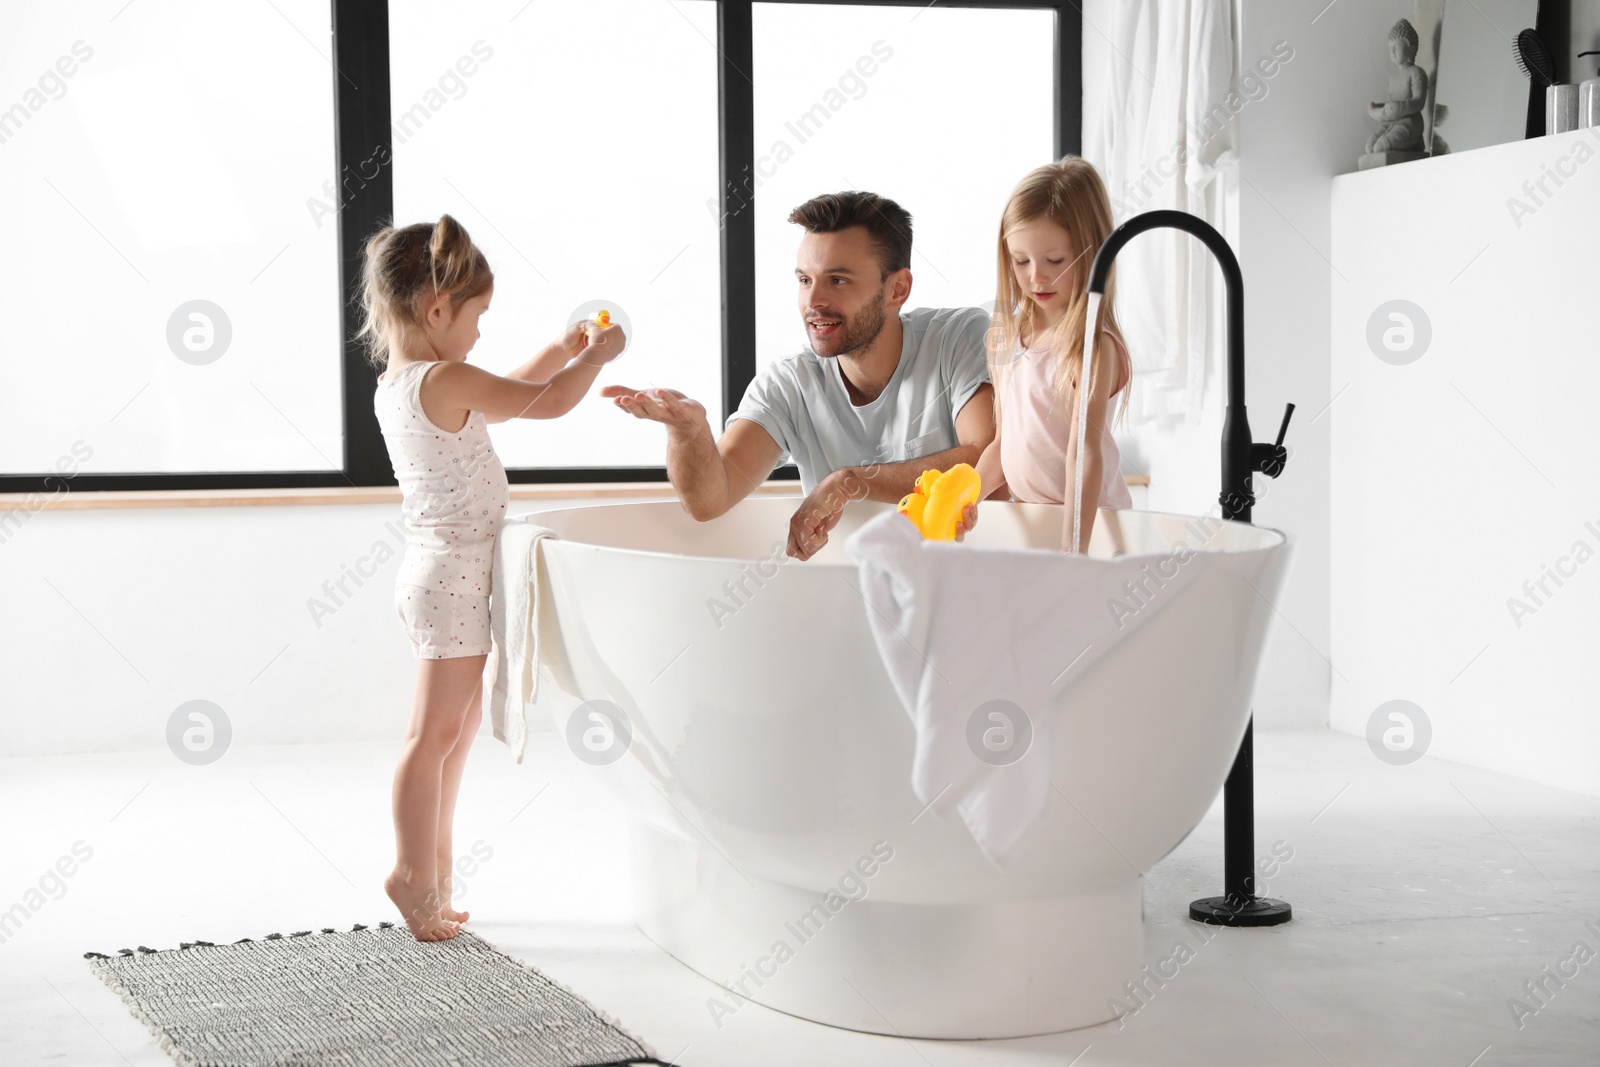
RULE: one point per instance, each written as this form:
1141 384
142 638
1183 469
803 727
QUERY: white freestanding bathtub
779 849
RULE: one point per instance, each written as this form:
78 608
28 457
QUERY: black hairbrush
1533 59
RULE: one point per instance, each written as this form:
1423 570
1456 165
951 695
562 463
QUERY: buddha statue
1400 117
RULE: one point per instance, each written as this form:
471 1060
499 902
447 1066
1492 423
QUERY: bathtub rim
1282 537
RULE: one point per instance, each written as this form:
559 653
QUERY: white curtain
1161 134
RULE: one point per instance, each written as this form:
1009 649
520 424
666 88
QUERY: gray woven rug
359 998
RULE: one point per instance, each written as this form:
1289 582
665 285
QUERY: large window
577 143
190 184
170 292
940 110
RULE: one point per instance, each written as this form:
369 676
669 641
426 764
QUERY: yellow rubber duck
936 503
602 318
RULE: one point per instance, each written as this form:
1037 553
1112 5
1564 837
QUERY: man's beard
854 334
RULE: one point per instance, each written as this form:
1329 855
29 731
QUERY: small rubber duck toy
598 321
935 505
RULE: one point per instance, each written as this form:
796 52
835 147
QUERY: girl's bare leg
445 687
450 786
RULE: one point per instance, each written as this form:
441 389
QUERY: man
880 396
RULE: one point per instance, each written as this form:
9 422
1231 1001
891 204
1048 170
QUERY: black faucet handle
1287 411
1269 459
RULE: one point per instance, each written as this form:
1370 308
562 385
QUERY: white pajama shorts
442 624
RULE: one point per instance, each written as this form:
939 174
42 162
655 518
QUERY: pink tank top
1036 427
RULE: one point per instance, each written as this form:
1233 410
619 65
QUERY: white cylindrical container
1589 98
1560 108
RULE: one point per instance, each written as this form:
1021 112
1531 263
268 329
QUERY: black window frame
362 126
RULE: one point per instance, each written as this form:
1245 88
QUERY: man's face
843 294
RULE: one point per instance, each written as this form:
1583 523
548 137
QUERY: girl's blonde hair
1069 193
402 267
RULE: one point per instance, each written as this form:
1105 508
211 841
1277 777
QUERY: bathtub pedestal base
982 969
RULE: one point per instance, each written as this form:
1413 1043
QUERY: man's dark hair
887 222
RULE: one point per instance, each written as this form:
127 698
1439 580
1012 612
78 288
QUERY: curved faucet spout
1241 457
1182 220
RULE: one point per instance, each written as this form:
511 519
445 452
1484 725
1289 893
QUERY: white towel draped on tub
523 632
959 626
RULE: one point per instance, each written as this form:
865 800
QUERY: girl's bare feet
445 880
420 909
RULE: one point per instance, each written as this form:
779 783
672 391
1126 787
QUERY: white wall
1585 37
112 618
1464 474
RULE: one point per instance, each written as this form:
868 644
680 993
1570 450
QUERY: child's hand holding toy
576 339
606 339
944 504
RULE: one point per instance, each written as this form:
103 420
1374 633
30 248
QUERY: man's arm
817 514
711 475
892 481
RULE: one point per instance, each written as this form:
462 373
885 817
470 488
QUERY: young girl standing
1053 224
425 287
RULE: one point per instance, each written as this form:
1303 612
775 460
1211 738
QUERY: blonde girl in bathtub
1053 224
425 287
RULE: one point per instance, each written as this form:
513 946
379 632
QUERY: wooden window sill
379 494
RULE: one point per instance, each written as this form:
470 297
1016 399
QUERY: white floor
1424 897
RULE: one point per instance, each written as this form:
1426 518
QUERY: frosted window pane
941 110
174 163
580 152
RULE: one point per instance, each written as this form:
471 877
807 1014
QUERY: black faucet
1241 459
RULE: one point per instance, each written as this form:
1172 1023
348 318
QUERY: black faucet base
1228 911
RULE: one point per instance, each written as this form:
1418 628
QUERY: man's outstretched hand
666 406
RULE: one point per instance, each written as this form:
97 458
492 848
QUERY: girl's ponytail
455 261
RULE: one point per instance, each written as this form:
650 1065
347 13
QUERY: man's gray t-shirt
803 403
